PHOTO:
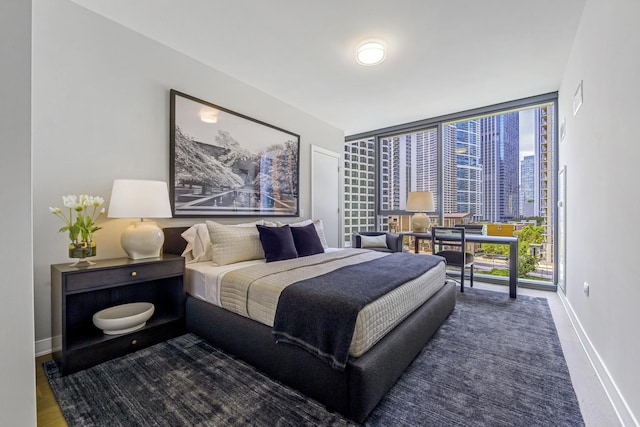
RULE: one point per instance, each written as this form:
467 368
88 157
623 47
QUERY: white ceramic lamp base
142 239
420 222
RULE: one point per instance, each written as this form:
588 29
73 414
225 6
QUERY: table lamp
420 202
135 198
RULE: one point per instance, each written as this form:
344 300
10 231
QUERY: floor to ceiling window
504 179
493 167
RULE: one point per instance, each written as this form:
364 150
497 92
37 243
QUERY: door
326 192
562 228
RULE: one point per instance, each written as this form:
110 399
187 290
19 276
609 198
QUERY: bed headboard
174 243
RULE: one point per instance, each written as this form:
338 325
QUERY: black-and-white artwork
226 164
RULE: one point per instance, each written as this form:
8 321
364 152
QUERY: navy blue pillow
307 240
277 243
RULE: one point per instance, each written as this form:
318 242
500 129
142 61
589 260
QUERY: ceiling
444 56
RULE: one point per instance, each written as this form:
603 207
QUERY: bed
374 363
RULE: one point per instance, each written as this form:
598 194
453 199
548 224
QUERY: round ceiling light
370 53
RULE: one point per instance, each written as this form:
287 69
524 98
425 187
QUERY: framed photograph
223 163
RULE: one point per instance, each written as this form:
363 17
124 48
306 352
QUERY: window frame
438 123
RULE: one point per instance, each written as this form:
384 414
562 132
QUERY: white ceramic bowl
123 318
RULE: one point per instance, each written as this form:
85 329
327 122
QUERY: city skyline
481 171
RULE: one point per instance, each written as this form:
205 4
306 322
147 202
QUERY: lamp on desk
135 198
420 202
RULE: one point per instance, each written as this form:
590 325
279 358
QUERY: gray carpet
495 362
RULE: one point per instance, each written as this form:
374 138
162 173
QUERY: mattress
252 289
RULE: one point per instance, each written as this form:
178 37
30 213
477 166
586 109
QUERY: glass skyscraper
462 160
527 187
500 156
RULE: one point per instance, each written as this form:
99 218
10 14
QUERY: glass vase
82 251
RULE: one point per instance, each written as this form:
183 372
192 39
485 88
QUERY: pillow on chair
373 241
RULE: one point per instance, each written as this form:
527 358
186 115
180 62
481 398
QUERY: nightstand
79 292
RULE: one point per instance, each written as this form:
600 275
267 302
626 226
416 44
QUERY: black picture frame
223 163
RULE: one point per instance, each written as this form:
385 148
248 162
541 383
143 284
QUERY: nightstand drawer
122 275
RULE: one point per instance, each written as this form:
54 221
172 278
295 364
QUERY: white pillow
373 241
198 244
199 247
316 223
249 224
299 223
320 230
234 244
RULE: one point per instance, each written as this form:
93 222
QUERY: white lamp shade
134 198
420 201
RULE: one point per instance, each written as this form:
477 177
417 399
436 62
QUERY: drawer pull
134 342
134 273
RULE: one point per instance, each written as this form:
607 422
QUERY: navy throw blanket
319 314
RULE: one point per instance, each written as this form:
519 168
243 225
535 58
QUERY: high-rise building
527 187
410 163
544 172
462 162
500 155
424 176
400 170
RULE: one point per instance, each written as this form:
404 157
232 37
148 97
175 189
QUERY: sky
527 121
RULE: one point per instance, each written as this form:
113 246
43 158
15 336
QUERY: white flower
83 225
95 201
70 201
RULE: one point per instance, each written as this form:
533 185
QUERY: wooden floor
49 413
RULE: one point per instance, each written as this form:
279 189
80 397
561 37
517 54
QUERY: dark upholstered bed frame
353 392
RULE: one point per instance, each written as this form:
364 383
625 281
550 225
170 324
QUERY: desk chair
450 243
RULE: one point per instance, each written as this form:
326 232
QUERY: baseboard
43 347
618 402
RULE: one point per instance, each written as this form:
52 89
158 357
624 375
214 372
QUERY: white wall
17 375
602 154
101 111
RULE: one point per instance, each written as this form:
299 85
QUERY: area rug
494 362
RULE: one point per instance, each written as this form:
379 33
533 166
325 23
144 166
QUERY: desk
512 241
